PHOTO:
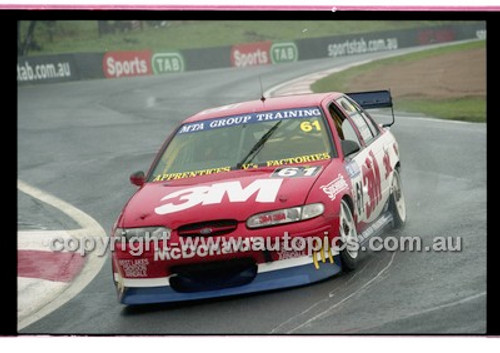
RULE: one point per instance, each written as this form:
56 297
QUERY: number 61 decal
295 172
308 126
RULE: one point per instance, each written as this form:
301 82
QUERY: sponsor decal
264 190
285 255
333 188
301 159
387 163
429 36
371 178
375 227
164 63
127 63
190 251
361 46
134 268
252 165
280 173
296 172
47 71
284 53
236 120
176 176
352 169
250 54
370 186
292 160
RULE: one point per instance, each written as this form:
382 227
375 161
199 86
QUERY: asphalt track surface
80 141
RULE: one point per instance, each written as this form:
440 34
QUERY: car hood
230 195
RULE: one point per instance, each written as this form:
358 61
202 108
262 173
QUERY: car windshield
272 138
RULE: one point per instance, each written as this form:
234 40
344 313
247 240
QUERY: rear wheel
348 238
397 203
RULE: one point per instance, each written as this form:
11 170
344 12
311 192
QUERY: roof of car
269 104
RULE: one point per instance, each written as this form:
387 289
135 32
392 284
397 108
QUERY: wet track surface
80 141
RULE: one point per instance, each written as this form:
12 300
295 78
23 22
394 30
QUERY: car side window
355 115
371 124
369 121
343 126
349 133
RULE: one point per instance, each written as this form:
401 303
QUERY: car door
366 167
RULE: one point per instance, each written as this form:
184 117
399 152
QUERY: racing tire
349 241
397 204
113 274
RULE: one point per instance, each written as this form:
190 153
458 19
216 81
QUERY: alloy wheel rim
348 231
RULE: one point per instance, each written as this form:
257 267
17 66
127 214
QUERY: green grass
465 109
82 36
470 108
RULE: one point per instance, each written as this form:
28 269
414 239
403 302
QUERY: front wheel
397 203
348 238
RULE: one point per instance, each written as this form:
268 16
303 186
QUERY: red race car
259 195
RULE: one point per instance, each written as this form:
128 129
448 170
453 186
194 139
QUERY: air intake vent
213 275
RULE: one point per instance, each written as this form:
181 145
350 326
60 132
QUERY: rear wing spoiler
374 100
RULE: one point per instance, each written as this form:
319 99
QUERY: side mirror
138 178
349 147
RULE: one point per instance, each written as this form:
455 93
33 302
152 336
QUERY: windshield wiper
258 145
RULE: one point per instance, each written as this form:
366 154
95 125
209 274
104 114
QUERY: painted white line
448 305
330 309
90 228
429 310
40 239
83 219
311 78
43 290
308 309
275 330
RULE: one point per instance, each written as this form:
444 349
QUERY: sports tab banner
117 64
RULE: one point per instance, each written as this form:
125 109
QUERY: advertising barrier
251 54
207 58
46 69
284 53
89 65
117 64
167 62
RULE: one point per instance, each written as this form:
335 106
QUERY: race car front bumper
269 276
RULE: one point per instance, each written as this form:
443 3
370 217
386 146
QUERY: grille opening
213 275
208 229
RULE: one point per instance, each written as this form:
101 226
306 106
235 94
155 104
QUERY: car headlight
286 215
141 234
